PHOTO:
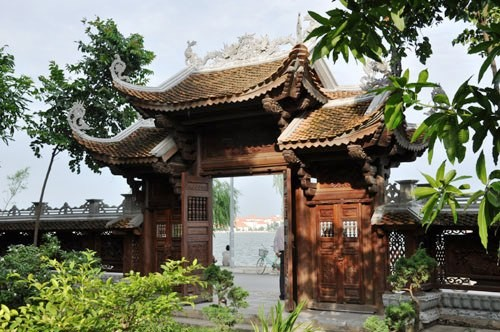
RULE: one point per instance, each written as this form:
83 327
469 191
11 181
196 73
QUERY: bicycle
264 261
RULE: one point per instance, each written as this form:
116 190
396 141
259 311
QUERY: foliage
411 273
15 184
18 263
396 318
15 92
375 324
89 80
392 28
230 298
76 298
22 261
276 322
221 192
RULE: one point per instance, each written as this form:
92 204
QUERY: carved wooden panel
197 219
339 262
229 147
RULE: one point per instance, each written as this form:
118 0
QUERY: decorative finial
300 37
117 69
75 117
371 69
191 58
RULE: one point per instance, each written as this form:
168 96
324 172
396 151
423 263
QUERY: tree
221 191
381 29
107 110
16 184
14 97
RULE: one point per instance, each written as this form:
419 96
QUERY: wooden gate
339 254
197 218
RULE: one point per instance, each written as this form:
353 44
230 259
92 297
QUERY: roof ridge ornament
117 69
371 80
248 49
75 117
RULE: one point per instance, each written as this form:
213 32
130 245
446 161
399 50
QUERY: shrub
75 298
18 263
230 298
396 319
375 324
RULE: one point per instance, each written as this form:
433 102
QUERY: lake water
246 246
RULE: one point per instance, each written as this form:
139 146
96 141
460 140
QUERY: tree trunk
38 209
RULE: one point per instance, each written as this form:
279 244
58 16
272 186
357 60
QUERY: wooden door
339 254
197 218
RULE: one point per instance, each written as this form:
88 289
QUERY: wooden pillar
147 231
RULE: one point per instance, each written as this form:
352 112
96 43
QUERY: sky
38 32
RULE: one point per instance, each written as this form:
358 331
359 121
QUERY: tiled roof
331 126
55 224
210 87
402 214
134 149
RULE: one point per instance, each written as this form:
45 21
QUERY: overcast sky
37 32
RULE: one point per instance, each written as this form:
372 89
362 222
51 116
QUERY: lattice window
391 193
326 228
397 248
176 230
350 228
197 208
440 256
161 231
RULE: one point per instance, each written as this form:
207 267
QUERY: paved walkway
264 293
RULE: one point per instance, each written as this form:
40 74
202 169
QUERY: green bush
375 324
18 263
396 319
410 273
230 298
76 298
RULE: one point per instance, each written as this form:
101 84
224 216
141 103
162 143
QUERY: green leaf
495 174
423 76
440 171
452 203
322 20
423 192
428 209
483 224
399 22
441 99
431 180
481 169
486 64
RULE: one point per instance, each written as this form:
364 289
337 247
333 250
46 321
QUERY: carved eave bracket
294 161
174 169
285 116
185 141
272 106
368 167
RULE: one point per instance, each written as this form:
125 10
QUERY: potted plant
410 274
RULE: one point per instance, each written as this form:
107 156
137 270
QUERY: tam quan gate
270 111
